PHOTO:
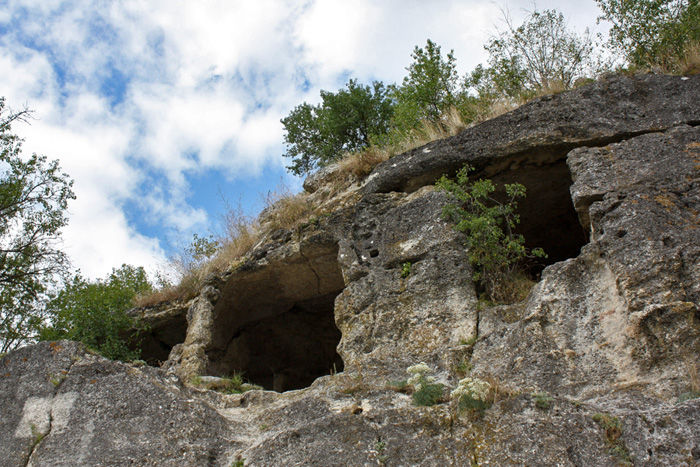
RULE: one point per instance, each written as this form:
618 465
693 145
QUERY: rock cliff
598 366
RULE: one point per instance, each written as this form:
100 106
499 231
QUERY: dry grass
362 163
498 391
689 63
239 233
162 295
496 109
451 124
692 370
285 210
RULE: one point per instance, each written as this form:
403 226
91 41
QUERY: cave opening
548 219
159 332
276 326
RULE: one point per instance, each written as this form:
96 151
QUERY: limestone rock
597 367
61 406
546 129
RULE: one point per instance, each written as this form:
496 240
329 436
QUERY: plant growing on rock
426 391
542 400
472 393
406 270
613 437
496 253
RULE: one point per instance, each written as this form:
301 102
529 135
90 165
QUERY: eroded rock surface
61 406
609 337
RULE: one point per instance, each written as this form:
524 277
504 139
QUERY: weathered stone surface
626 310
64 407
165 327
409 294
544 130
612 327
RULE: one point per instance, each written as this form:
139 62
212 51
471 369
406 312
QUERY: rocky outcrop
62 406
597 367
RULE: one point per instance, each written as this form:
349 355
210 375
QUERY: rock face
61 406
597 367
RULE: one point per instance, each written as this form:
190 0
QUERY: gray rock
62 406
546 129
328 317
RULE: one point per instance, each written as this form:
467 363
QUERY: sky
164 111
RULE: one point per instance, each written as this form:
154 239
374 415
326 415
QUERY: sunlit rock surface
327 317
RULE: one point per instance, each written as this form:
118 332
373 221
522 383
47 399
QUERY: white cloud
205 85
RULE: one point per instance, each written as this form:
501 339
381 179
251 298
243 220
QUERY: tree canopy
540 54
95 312
344 121
34 195
652 33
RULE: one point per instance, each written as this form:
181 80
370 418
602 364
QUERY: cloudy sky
159 108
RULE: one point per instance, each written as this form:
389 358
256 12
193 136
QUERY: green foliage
496 252
537 56
34 195
406 270
542 400
652 33
426 392
202 248
613 437
344 121
380 451
429 89
94 313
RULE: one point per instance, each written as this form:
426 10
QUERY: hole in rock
163 332
276 325
548 219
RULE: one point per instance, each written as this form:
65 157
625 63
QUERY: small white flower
419 369
476 388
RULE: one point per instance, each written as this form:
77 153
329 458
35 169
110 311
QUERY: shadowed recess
276 325
547 216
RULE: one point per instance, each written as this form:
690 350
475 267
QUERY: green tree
34 195
652 33
345 121
95 312
539 54
496 251
430 88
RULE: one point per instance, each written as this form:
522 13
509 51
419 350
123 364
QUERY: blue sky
159 108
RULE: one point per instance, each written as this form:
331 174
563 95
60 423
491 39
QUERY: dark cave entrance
163 330
547 216
276 325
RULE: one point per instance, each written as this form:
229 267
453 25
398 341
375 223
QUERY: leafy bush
540 55
343 122
496 252
653 33
95 313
